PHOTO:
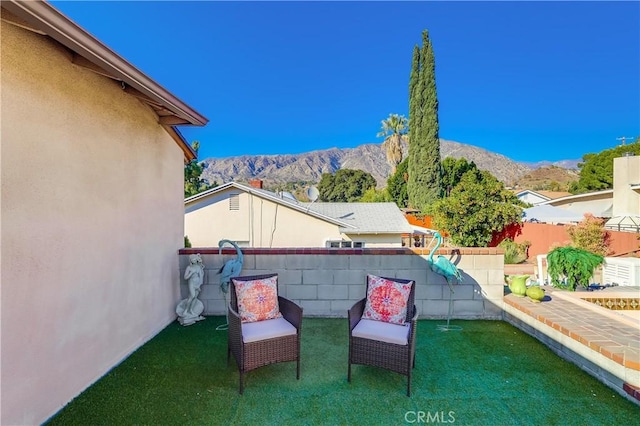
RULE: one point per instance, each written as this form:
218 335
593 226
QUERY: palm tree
394 128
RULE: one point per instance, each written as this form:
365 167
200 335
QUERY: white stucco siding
212 219
258 222
626 172
279 226
92 218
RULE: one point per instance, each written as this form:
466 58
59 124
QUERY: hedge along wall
327 282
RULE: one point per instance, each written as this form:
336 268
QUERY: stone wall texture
327 282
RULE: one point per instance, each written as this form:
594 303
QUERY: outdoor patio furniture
385 336
260 334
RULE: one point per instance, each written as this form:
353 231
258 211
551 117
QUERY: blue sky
530 80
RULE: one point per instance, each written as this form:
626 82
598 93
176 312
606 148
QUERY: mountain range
371 158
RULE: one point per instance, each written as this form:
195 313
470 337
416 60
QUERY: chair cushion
257 299
382 331
386 300
267 329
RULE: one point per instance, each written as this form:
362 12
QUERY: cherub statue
189 310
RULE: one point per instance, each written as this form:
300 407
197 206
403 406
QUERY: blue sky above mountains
530 80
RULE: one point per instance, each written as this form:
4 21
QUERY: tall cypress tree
425 171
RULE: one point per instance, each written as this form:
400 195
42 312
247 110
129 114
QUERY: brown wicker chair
270 350
396 357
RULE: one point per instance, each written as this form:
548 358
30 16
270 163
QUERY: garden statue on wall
229 270
190 310
569 266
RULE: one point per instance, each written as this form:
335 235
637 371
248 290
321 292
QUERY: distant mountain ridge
309 166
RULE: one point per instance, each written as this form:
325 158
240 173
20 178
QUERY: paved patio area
604 342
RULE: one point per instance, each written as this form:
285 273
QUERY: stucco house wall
257 222
258 218
92 218
376 240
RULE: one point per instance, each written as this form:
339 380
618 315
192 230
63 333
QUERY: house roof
546 195
532 192
90 53
352 218
599 203
367 218
550 214
272 196
554 194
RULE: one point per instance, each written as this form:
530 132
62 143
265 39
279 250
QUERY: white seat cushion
266 329
382 331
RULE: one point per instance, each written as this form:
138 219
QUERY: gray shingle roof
367 218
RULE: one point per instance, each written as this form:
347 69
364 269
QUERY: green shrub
514 252
569 266
187 243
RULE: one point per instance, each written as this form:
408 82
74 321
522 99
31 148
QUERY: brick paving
614 336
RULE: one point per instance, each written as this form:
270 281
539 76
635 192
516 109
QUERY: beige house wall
254 221
626 172
92 218
258 222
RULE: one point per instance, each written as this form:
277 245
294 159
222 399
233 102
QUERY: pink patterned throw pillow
386 300
257 299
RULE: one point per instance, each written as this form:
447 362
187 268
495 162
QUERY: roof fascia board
578 196
44 17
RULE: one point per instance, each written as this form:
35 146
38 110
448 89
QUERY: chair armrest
355 313
235 332
413 321
414 318
291 312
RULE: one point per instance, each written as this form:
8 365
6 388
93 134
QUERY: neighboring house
598 203
538 197
620 205
92 174
254 217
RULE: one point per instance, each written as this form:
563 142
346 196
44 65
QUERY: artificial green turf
488 373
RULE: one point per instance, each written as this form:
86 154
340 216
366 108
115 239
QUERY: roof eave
43 18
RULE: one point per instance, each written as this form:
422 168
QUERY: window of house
345 244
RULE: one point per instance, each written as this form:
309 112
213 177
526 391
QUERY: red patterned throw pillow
386 300
257 299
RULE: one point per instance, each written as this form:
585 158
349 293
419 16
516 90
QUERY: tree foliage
590 235
193 182
346 185
477 207
453 170
393 129
596 170
373 195
397 185
424 186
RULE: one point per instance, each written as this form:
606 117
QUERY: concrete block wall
327 282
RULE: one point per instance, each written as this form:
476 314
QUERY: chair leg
241 382
409 384
228 355
349 373
298 369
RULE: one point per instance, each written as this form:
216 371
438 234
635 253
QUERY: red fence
543 236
